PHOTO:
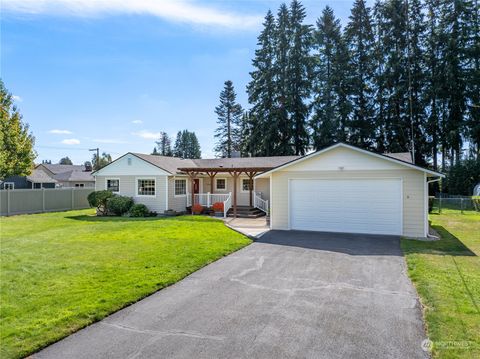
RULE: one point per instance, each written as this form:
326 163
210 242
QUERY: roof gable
345 157
130 164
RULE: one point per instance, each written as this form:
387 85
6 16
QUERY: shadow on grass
447 245
185 218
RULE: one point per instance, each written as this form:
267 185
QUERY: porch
242 198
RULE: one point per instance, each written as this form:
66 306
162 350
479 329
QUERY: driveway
288 295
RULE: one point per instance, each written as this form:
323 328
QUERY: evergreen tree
16 142
102 161
262 93
229 119
164 145
186 145
331 107
65 161
360 42
155 152
299 76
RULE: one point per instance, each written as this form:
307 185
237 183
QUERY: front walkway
251 227
287 295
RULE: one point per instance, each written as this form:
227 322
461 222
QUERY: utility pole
98 157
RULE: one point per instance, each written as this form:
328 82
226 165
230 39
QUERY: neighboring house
339 189
52 176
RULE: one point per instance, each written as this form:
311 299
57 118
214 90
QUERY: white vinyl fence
23 201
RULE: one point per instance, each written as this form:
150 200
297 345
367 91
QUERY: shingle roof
402 156
39 176
57 168
172 164
74 176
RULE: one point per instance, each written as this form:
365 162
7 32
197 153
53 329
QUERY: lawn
63 271
447 276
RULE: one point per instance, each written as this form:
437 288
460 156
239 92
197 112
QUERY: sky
114 73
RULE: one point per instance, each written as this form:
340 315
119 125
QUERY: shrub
197 208
99 200
218 207
119 205
139 210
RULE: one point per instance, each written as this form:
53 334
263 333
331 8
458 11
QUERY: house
52 176
341 188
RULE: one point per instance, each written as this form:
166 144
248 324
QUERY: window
221 184
146 187
180 187
9 185
246 185
79 185
113 185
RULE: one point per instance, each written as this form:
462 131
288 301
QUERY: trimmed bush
218 207
139 210
119 205
99 200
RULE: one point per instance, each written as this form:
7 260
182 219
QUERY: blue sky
114 73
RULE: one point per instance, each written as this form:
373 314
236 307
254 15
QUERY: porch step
246 212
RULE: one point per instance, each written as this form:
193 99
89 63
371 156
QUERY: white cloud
71 141
148 135
137 122
183 11
60 132
17 98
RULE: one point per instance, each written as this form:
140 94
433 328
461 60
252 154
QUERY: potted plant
197 208
218 209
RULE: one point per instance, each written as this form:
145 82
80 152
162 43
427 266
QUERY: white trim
270 210
289 227
386 158
221 189
112 178
166 193
145 195
186 188
425 206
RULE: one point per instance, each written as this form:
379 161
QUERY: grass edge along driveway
63 271
446 274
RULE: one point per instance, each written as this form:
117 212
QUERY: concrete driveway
288 295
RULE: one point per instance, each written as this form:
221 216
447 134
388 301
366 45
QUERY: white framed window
246 185
79 185
221 184
180 187
146 187
113 184
8 185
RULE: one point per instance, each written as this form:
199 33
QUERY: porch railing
260 203
227 204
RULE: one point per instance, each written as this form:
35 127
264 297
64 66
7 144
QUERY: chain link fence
442 202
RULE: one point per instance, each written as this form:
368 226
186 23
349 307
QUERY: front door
196 185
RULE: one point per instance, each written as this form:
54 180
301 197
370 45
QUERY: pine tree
187 145
229 119
299 76
261 93
164 145
331 107
359 38
16 142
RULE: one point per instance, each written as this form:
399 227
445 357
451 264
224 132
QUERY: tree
229 118
104 160
164 145
16 142
155 152
65 161
360 43
187 145
299 76
263 131
330 105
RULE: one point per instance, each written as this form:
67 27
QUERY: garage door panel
357 206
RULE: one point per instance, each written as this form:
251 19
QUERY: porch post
192 178
250 184
235 175
212 177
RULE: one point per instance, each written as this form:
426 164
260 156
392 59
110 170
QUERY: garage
365 205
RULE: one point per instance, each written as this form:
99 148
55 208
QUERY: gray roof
74 176
39 176
57 168
172 164
402 156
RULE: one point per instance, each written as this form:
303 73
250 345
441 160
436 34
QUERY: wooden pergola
235 172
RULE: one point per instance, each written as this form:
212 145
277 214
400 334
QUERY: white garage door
350 206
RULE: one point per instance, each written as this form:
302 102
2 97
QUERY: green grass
63 271
447 276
